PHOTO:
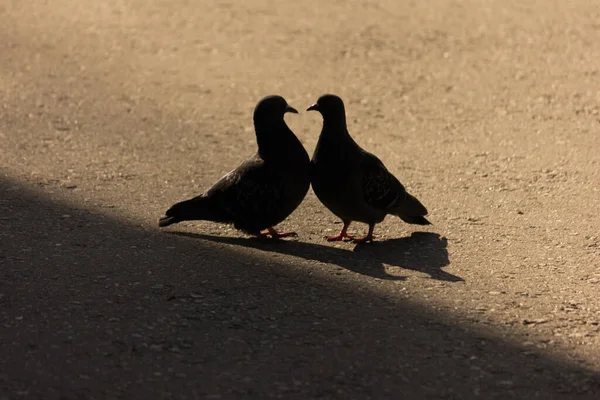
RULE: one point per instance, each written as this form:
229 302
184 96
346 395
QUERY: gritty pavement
488 112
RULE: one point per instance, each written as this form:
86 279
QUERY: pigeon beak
314 107
291 109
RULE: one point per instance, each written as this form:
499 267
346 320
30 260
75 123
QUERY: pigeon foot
276 235
366 239
343 235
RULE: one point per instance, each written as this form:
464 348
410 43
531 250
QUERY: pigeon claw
366 239
342 236
276 235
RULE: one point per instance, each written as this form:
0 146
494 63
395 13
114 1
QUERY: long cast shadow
96 308
422 251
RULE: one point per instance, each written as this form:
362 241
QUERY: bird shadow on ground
422 251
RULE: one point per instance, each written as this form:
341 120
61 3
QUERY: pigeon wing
381 189
249 194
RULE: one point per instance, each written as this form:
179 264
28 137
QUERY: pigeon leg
276 235
368 238
343 235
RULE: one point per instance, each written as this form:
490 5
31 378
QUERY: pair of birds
266 188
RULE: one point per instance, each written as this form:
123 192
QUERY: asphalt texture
112 111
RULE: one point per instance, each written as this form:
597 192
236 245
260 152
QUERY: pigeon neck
335 123
335 127
269 137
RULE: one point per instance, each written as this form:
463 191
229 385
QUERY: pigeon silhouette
265 189
353 183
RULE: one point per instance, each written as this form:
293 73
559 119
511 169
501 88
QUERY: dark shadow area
94 308
422 251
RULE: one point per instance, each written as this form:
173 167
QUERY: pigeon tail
411 211
419 220
166 221
198 208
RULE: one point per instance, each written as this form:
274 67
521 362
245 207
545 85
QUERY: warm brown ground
488 111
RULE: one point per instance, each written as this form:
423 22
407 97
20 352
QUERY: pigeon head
331 108
271 109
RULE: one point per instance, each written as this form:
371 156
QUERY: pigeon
265 189
353 183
